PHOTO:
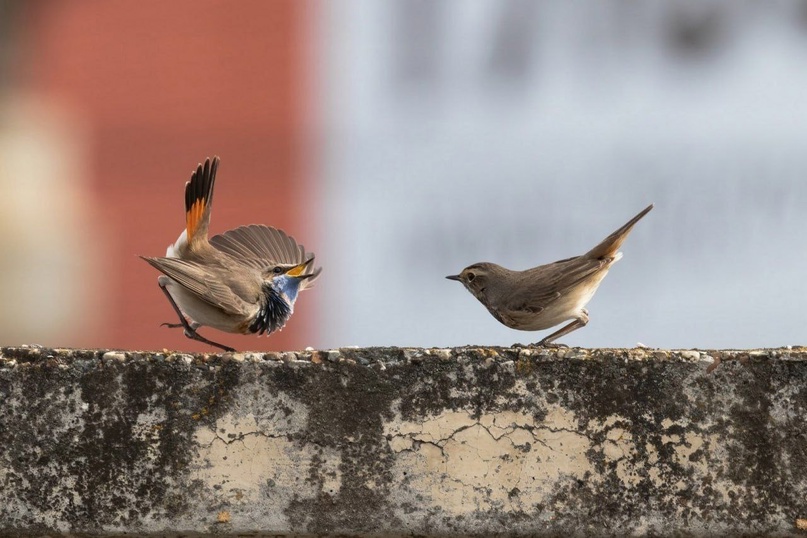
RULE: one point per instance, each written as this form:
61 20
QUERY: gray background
525 132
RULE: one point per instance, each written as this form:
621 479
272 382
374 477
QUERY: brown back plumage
610 245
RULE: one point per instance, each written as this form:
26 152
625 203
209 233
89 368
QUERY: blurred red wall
162 85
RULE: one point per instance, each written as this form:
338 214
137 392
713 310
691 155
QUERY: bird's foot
189 328
193 335
550 345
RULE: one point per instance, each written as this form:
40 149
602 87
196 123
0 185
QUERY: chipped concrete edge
10 355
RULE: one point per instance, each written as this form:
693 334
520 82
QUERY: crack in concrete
506 433
241 436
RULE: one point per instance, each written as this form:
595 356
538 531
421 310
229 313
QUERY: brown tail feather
199 199
610 245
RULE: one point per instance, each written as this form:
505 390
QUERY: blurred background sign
402 141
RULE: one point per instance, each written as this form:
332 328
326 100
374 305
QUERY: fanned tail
199 200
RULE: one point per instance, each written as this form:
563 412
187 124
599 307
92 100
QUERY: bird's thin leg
193 335
190 330
194 325
182 321
581 321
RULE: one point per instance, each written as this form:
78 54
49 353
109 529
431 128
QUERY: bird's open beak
454 277
298 270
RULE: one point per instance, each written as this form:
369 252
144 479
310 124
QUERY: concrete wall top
397 441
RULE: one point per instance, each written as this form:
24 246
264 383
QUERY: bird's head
287 279
476 278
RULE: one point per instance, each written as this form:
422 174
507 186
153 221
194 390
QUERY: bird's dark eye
277 270
470 277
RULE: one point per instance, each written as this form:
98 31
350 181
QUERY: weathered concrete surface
387 441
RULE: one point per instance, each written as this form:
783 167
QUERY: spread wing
194 279
260 246
257 245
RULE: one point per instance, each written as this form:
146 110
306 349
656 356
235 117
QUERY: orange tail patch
194 217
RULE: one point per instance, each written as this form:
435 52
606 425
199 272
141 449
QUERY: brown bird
244 281
547 295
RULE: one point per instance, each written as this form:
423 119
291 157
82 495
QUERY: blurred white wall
525 132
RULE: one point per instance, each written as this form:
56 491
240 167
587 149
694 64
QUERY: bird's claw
550 345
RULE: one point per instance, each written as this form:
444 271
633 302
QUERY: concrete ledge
389 441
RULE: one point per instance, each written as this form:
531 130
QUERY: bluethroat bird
547 295
244 281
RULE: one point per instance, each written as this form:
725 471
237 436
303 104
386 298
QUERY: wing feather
258 245
545 284
193 278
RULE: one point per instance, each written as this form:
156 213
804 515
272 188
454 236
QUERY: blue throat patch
273 314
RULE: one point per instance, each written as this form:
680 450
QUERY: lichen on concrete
391 441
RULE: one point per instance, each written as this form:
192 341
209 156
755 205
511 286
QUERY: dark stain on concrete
118 470
475 381
347 405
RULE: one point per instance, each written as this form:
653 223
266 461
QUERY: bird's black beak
454 277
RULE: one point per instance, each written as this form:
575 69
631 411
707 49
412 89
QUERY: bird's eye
470 277
277 270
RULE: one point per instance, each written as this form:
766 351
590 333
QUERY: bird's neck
287 288
273 312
